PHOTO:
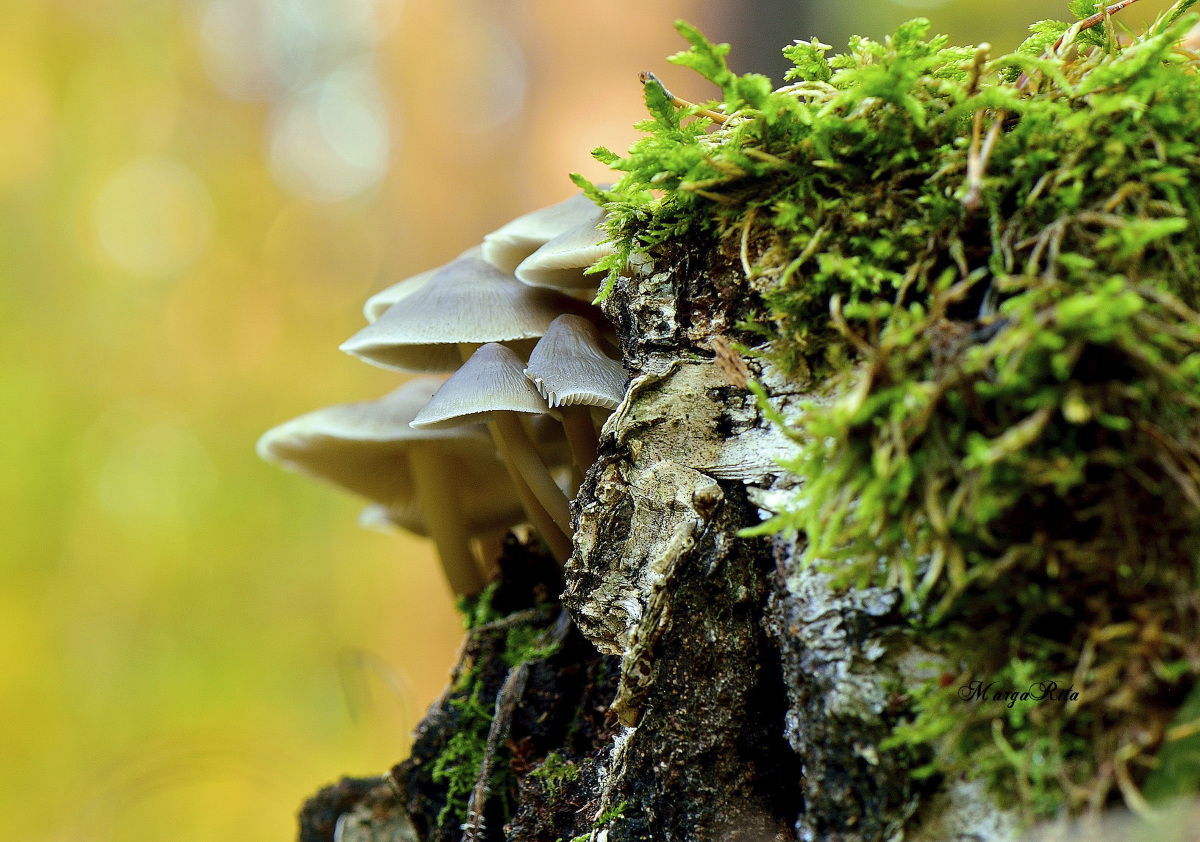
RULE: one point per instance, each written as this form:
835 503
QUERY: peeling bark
750 699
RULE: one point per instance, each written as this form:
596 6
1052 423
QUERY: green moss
527 643
477 609
554 773
610 815
460 762
606 818
990 268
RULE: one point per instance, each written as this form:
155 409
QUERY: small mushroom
561 262
491 386
572 372
467 301
380 518
486 536
378 303
507 246
369 448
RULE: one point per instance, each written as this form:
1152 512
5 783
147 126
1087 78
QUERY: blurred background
195 198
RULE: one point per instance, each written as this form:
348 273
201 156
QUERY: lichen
989 268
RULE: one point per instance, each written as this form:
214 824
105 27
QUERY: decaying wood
751 698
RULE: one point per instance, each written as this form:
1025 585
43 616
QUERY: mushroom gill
451 477
573 373
491 386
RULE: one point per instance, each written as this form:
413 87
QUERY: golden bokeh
195 199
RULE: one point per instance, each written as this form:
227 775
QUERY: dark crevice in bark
708 759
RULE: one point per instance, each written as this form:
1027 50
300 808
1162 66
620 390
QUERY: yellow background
191 641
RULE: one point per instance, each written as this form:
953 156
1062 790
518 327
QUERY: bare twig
1086 23
974 168
1089 22
981 54
730 362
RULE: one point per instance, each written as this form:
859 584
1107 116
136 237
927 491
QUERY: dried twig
746 239
648 78
977 162
729 361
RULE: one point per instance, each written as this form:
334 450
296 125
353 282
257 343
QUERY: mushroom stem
444 519
518 451
555 530
488 547
581 435
558 542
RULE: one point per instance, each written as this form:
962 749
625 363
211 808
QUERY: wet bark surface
710 688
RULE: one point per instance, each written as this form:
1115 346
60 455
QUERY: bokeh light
153 217
330 141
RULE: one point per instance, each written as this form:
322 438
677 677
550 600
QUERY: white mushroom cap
363 448
379 518
378 303
492 380
561 262
569 366
507 246
466 301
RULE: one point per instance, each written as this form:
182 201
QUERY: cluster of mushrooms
506 438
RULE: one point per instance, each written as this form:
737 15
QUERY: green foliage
990 270
606 818
554 773
477 608
705 58
810 61
459 763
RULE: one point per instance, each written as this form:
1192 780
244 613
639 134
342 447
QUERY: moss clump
991 269
606 818
473 704
457 767
554 773
477 609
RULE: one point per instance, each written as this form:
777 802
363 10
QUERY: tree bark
713 689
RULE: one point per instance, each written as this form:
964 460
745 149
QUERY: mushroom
468 302
369 448
491 386
572 372
561 262
486 536
380 518
507 246
378 303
